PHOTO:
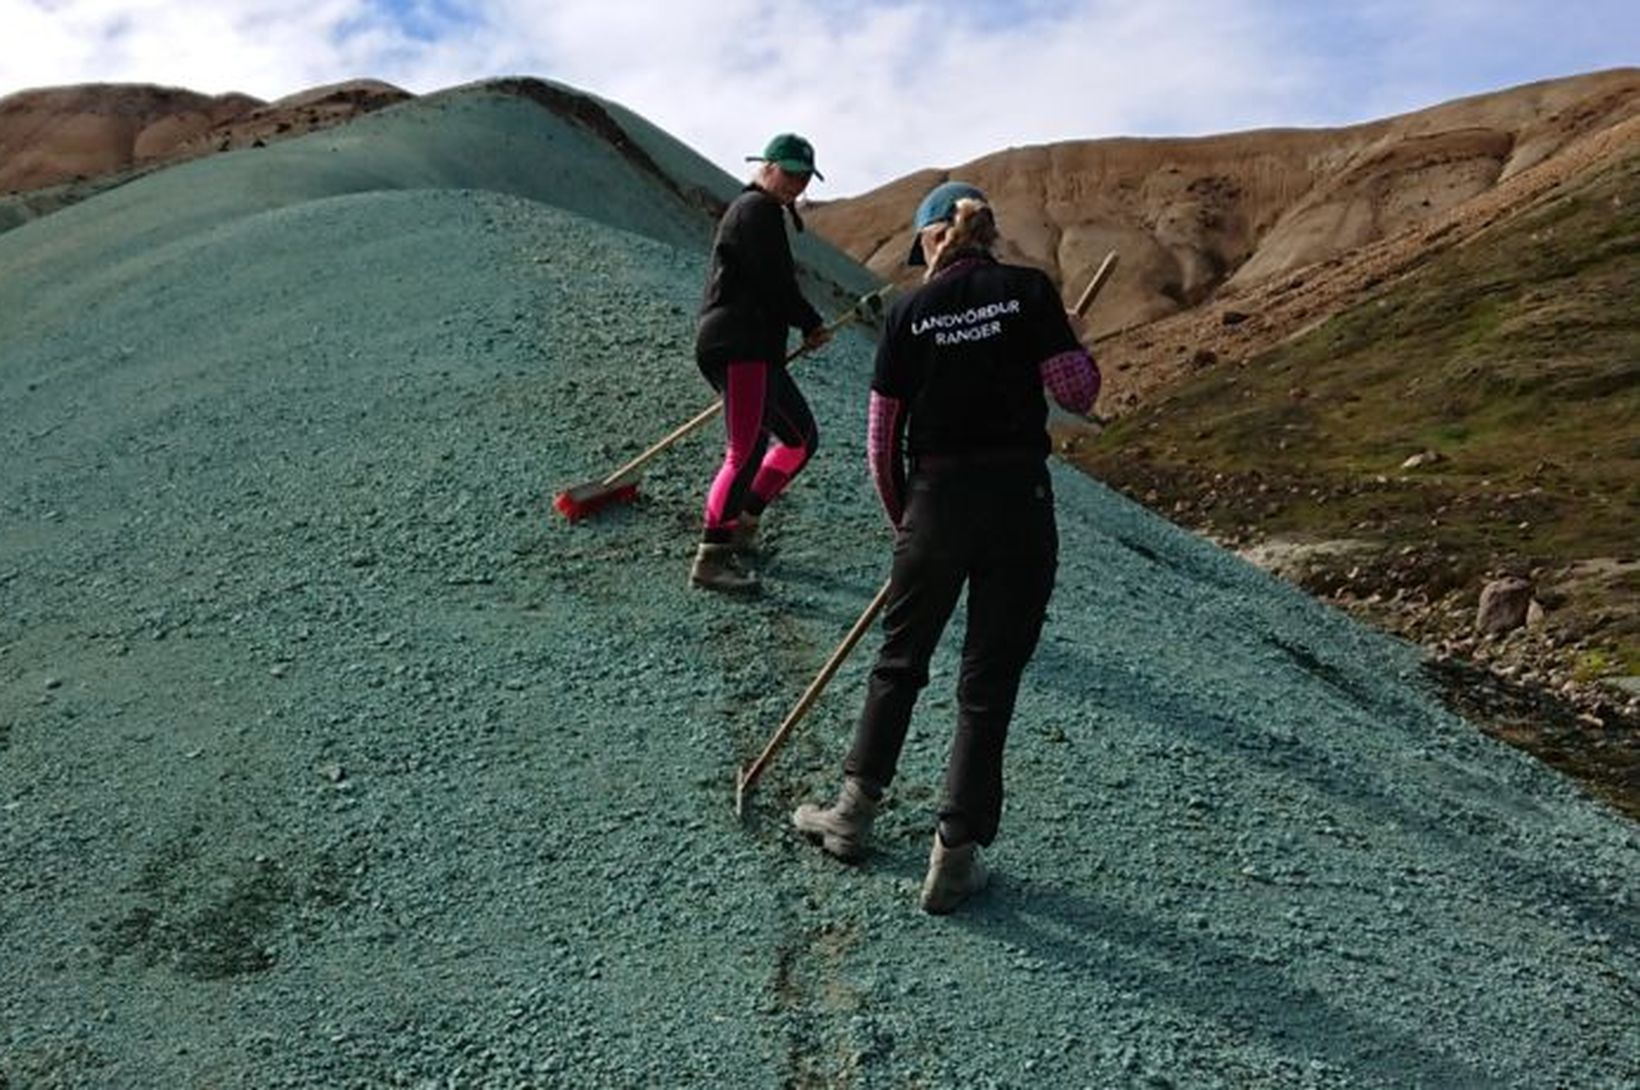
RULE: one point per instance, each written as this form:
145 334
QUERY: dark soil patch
1602 751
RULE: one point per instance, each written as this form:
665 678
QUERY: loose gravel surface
330 756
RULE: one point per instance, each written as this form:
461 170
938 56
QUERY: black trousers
991 527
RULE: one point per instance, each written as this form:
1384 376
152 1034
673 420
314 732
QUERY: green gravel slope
330 756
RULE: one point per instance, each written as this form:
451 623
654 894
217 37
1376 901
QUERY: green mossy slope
1514 358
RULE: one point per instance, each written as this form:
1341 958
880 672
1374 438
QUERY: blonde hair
973 229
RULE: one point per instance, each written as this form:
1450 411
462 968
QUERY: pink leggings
759 401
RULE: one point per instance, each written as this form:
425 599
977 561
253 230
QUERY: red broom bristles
577 503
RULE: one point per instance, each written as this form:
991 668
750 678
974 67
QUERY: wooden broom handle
671 437
700 418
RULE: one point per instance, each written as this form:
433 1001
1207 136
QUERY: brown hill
61 134
55 135
293 115
1211 219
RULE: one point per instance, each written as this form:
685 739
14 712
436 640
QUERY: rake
746 778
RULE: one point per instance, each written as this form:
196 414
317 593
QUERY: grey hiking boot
745 534
716 568
954 874
842 827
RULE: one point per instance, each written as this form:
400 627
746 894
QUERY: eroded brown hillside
55 135
1210 219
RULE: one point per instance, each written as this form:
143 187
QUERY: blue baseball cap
940 206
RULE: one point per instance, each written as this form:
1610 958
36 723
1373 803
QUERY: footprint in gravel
190 918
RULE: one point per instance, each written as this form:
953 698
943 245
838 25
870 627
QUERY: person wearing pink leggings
750 302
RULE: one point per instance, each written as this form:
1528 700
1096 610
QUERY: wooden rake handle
1100 275
749 775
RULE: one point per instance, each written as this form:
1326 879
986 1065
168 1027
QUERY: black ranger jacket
964 353
751 297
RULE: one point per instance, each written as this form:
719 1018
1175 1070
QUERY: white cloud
882 88
886 89
263 47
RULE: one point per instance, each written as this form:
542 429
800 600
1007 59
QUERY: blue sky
883 88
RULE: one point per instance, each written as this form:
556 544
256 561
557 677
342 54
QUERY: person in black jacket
957 438
750 302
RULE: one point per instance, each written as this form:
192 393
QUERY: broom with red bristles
621 486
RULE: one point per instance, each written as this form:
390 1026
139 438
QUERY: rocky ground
1538 685
1540 678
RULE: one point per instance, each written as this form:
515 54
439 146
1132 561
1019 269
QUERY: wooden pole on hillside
747 777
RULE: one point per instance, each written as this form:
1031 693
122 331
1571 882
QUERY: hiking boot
842 827
744 533
716 568
953 875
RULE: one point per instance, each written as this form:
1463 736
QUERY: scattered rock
1504 605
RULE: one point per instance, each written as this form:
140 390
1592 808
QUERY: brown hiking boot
745 534
954 874
716 568
842 827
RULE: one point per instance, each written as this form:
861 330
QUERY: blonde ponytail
973 230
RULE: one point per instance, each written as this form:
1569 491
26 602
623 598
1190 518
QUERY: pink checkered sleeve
1073 380
885 433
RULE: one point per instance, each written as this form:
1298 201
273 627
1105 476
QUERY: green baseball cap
790 153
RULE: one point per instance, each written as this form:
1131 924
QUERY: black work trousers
992 527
